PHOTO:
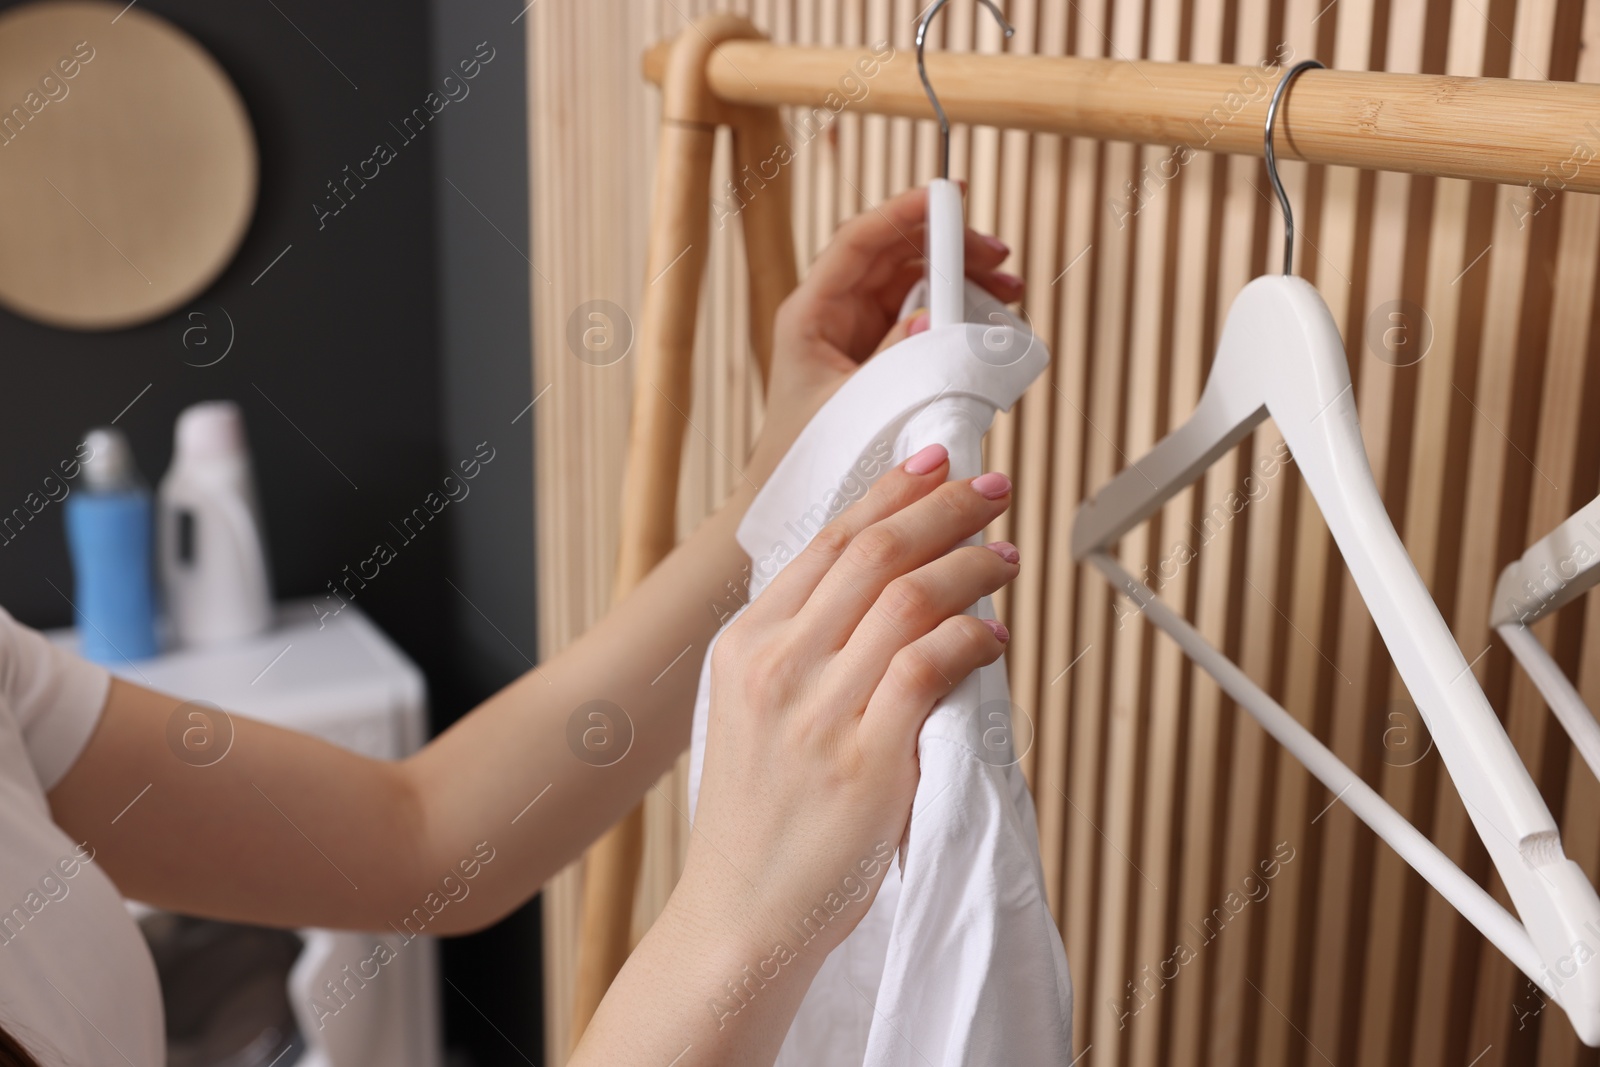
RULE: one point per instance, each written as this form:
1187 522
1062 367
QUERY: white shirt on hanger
958 961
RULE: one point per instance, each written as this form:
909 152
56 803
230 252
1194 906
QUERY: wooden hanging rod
1546 134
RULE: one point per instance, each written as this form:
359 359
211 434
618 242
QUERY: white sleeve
56 696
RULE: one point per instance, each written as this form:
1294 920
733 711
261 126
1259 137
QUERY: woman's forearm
544 766
707 984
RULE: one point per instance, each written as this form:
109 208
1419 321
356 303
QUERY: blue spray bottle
109 534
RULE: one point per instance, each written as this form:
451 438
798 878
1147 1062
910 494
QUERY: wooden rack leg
675 262
761 172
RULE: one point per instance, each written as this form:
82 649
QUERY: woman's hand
845 311
818 693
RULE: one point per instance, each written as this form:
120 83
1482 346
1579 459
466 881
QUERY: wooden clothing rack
720 71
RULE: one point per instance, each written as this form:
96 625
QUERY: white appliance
341 679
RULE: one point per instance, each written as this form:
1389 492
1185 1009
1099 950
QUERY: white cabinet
341 679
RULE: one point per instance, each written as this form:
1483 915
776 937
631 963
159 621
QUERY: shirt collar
850 441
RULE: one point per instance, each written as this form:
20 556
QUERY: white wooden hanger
1563 565
1281 356
947 226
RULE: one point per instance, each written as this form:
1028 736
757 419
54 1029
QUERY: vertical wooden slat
1027 430
1097 924
1500 473
1446 424
1324 670
876 183
1128 330
853 198
1293 589
1344 848
896 166
1076 350
1026 602
1208 719
1248 565
1053 564
1156 225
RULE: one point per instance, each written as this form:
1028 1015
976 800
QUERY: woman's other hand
845 309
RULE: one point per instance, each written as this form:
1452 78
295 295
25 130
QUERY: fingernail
993 485
929 459
1005 550
1000 632
920 321
1009 279
995 243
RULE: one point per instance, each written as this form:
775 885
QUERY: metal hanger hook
1272 161
927 87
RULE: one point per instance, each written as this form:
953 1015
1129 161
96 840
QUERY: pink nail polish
993 485
1008 279
1005 550
995 243
928 460
1000 632
919 322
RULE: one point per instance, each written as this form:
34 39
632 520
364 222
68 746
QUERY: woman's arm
290 830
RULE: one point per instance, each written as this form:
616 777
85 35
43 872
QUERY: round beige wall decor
127 165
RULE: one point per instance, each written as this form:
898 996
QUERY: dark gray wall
386 343
493 1004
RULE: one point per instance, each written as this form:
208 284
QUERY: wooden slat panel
1156 798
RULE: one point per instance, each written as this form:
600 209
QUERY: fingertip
1004 287
919 322
1005 550
927 460
992 486
999 630
997 246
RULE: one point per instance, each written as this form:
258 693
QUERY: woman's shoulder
53 695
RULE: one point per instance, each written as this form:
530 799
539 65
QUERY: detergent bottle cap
208 430
109 466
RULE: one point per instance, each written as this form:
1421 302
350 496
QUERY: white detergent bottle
213 559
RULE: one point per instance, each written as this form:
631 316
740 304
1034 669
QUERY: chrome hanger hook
1272 160
927 87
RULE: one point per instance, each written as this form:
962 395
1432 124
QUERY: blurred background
369 355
